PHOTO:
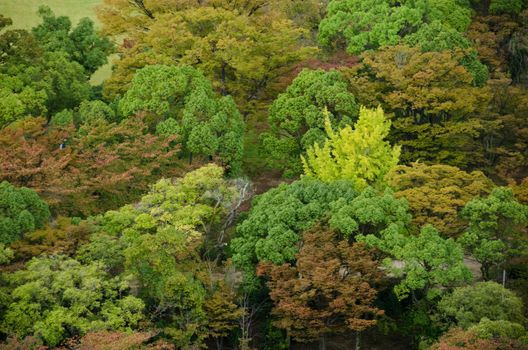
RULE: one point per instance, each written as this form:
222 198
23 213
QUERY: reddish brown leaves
330 290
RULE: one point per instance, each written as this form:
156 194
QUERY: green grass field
24 16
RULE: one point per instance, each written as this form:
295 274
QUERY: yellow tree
361 155
242 48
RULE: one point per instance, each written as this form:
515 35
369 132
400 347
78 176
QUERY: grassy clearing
24 16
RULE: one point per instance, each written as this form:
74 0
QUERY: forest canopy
265 174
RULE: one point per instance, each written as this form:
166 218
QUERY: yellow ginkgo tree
361 155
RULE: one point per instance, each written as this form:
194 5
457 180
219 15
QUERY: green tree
427 264
488 329
497 229
436 193
277 219
165 265
467 306
82 43
361 25
6 254
296 120
207 124
57 297
21 211
90 110
360 155
512 7
163 244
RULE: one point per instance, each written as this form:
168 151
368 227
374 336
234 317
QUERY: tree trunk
358 340
322 343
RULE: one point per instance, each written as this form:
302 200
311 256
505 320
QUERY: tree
360 155
239 46
90 110
165 265
361 25
207 124
296 120
162 245
82 43
35 82
488 329
434 105
57 296
21 211
277 219
62 236
496 229
468 305
436 193
428 264
96 162
6 254
458 339
512 7
329 290
501 43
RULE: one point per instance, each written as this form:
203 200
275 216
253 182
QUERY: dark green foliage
185 104
82 43
361 25
497 228
296 116
511 7
278 218
21 211
466 306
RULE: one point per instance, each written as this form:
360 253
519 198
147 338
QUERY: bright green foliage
63 118
511 7
360 155
165 265
467 306
278 218
296 120
361 25
18 100
6 254
487 329
91 110
208 125
53 85
82 43
200 202
426 263
496 230
58 297
21 211
158 244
